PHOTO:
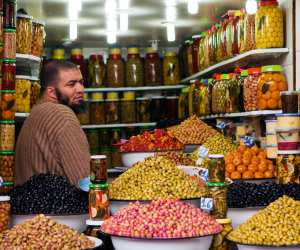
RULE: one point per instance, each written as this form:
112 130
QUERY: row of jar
236 33
135 72
128 109
251 89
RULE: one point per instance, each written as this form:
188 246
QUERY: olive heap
152 179
48 194
276 225
242 194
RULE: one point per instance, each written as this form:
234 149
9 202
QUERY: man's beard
62 99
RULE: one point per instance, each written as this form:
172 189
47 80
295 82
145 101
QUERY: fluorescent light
192 6
171 13
251 6
171 32
123 21
78 4
72 10
111 23
170 2
73 30
111 37
110 6
124 4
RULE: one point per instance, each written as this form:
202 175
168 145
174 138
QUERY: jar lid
9 30
224 221
39 22
172 97
150 50
99 186
158 97
287 115
271 146
94 223
86 96
115 51
97 96
270 121
254 71
170 53
76 52
263 3
210 80
58 54
288 152
244 72
6 152
290 93
112 95
8 184
133 50
216 184
30 78
128 96
96 57
144 98
225 77
216 156
271 68
98 157
7 121
185 90
280 129
7 91
4 198
24 16
7 60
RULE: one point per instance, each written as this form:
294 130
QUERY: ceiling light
124 21
192 6
72 10
111 23
171 32
124 4
73 30
78 4
111 37
170 2
110 6
171 13
251 6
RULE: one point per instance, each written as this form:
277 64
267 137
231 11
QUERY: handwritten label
203 174
207 203
202 152
248 140
221 125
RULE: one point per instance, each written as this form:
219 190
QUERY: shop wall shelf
146 88
22 115
119 125
252 56
28 63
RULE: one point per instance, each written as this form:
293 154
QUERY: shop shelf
119 125
31 78
146 88
22 115
27 58
252 56
28 64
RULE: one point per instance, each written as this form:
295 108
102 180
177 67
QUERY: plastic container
250 89
153 68
172 107
289 100
5 213
8 74
98 173
38 38
288 121
112 108
9 38
143 109
218 191
288 165
96 71
115 69
134 68
8 107
23 93
24 34
216 168
171 71
272 151
271 126
98 201
7 162
128 108
269 25
288 139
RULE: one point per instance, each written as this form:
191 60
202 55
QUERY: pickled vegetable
218 191
134 68
171 71
7 162
153 68
112 108
24 34
249 32
96 70
143 109
35 92
7 135
250 89
128 108
115 69
38 38
23 93
8 107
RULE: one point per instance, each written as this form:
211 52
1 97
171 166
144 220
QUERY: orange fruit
246 161
255 160
248 153
235 175
248 175
262 104
262 167
254 150
228 158
272 86
241 168
8 97
262 155
230 168
259 175
269 174
278 77
282 85
271 167
237 161
242 148
7 115
253 168
267 95
272 103
275 95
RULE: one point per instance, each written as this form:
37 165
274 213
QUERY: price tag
248 140
203 174
1 181
207 203
221 125
202 152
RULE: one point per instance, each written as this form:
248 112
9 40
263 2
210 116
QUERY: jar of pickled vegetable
191 105
189 62
198 99
157 103
8 107
241 33
35 92
182 54
78 59
235 94
249 32
172 107
171 68
93 139
231 34
24 34
9 49
207 52
212 44
272 81
205 110
153 70
134 68
220 241
107 152
240 77
218 191
7 163
116 160
105 138
84 116
115 69
128 109
7 135
5 213
201 52
23 92
97 109
143 109
9 13
38 38
220 93
269 25
115 136
219 51
96 71
9 74
58 54
250 89
223 41
195 52
183 104
1 28
112 108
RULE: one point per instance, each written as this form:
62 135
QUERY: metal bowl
96 241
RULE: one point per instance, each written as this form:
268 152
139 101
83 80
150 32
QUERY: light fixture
111 23
251 6
78 4
124 4
192 6
111 37
171 32
123 21
73 30
170 13
170 2
110 6
72 10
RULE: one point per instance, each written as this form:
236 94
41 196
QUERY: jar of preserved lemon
271 82
269 25
171 68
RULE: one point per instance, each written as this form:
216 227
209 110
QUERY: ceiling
145 20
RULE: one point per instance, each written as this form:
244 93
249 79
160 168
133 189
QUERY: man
51 139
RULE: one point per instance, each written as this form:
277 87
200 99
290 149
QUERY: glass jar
105 138
220 241
107 152
223 38
201 54
212 48
231 34
115 136
216 168
99 202
235 94
241 33
153 68
78 59
8 107
143 109
287 167
24 34
6 187
182 54
7 135
35 92
218 191
157 103
115 69
97 108
38 38
1 29
98 173
58 54
219 51
116 160
5 213
195 48
134 68
272 81
269 25
197 98
23 92
191 105
289 100
249 32
171 68
96 71
84 117
9 74
9 49
172 107
9 13
112 108
250 89
207 49
128 109
183 104
7 163
220 93
189 62
93 139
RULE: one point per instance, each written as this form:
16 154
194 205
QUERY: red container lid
96 57
254 71
263 3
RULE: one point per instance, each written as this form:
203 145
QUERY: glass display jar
5 213
10 13
205 100
143 109
182 54
250 89
271 82
24 34
9 38
107 151
287 167
235 94
241 33
8 74
84 117
134 68
201 54
99 202
189 62
183 104
220 94
98 172
8 107
206 50
93 139
223 38
115 69
195 52
219 51
97 109
269 25
38 38
1 29
58 54
112 108
105 138
191 105
35 92
218 191
220 241
78 59
96 71
172 107
212 48
153 68
231 34
128 108
7 135
23 93
157 103
197 99
7 163
249 32
171 68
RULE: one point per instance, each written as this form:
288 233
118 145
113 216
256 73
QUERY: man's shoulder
48 108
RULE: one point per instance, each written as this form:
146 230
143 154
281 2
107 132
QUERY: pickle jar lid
4 198
271 68
128 96
24 16
58 54
7 152
224 221
115 51
185 90
170 53
95 223
96 57
254 71
112 95
216 184
225 77
98 157
7 91
9 30
244 72
216 156
7 121
150 50
76 52
99 186
9 60
210 81
86 96
96 96
133 50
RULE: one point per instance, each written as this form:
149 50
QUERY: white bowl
130 158
77 222
240 215
256 247
96 241
116 205
124 243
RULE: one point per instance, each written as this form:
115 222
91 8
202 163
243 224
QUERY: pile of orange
248 163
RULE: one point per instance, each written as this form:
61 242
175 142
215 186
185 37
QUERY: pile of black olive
48 194
243 194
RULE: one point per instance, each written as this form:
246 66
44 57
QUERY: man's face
70 90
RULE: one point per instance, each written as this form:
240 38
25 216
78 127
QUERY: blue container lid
290 114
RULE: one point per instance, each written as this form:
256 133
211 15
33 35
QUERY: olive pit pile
152 179
48 194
